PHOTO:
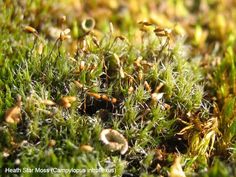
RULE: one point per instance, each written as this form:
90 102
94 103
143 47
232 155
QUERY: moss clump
147 84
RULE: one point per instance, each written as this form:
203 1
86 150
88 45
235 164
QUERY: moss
146 83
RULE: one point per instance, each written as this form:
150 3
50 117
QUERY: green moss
188 118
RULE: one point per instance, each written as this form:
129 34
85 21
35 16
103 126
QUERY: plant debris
13 115
114 141
176 169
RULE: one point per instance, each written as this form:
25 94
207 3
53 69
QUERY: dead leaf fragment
176 169
54 32
64 35
13 115
156 96
130 90
114 141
